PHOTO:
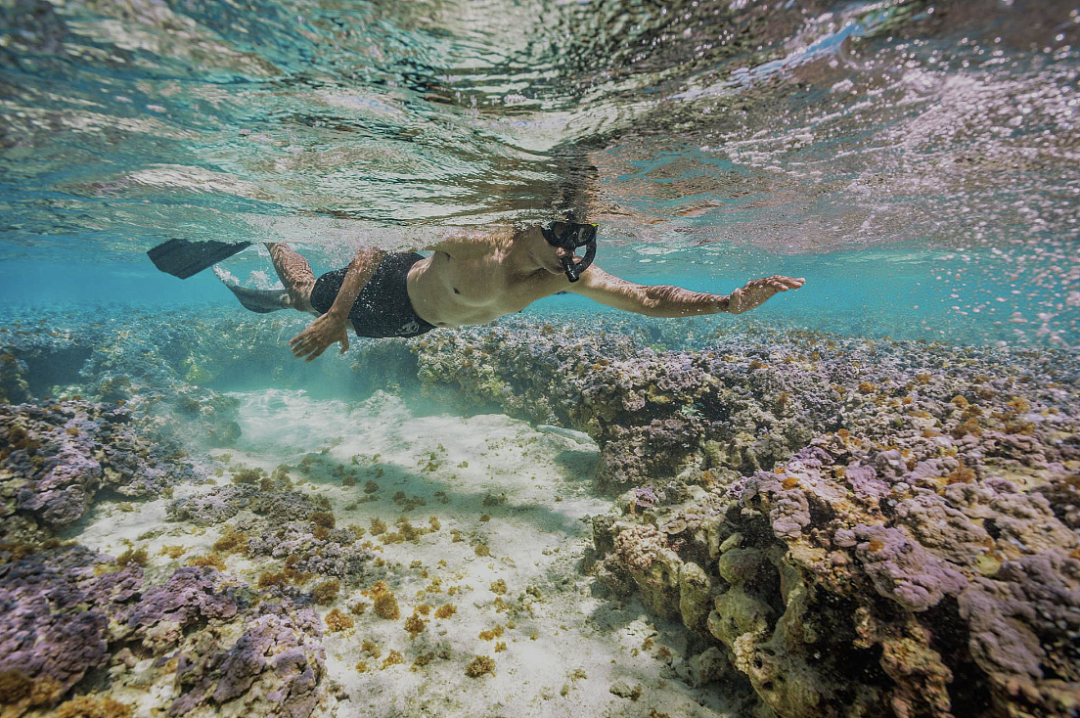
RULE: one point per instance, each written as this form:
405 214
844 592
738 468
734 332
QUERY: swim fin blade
184 258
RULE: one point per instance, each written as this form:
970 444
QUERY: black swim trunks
383 308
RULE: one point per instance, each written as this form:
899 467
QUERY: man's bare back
475 278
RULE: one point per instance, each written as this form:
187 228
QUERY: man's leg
295 273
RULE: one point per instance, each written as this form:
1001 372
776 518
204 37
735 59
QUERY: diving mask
571 236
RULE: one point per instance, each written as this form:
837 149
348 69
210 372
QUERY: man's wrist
722 304
338 314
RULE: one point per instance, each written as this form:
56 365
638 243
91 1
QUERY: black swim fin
184 258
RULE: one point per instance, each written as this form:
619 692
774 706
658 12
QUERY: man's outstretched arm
668 301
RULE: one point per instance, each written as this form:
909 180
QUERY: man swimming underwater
470 280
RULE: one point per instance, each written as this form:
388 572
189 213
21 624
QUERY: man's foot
262 301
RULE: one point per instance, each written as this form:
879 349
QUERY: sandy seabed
495 486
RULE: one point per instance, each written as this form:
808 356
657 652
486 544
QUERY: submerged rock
274 668
832 598
55 458
57 609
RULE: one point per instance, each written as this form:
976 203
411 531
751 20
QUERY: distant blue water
904 292
916 163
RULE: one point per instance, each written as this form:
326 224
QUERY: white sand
567 647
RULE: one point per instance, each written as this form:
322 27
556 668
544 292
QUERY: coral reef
56 457
862 578
846 526
57 611
273 669
191 595
219 504
744 401
70 610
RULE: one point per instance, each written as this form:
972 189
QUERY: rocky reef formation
170 369
54 458
740 402
213 646
57 611
926 565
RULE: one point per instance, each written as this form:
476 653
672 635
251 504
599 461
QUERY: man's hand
319 335
757 292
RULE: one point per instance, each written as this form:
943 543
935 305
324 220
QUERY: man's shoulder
471 241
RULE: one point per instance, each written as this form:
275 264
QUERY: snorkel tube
570 236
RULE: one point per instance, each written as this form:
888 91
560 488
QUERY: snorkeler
468 280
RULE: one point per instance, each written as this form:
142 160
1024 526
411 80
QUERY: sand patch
497 512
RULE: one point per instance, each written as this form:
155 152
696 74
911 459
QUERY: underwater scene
515 358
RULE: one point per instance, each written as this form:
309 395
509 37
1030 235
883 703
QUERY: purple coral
57 457
644 497
57 613
191 595
274 667
902 570
217 505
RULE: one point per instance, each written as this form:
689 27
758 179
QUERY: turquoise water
916 163
906 291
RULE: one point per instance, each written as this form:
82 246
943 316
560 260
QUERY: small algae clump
326 592
361 667
248 476
337 621
406 532
480 665
386 604
482 550
498 587
283 578
358 608
445 611
492 634
324 519
89 707
378 526
232 542
14 686
212 560
414 625
173 551
423 659
132 556
393 658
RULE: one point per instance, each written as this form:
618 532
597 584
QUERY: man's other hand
319 335
757 292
